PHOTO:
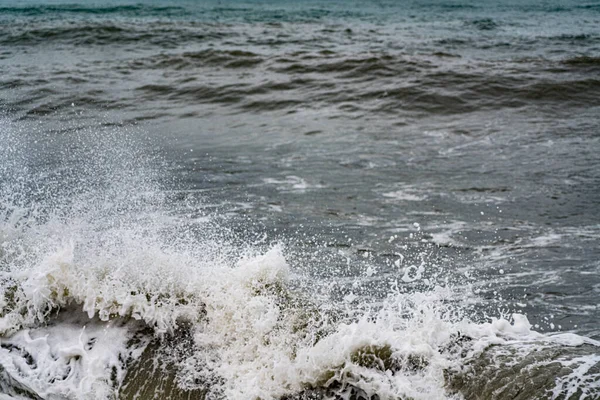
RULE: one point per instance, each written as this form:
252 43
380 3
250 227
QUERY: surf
110 288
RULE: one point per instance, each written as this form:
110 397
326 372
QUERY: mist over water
280 201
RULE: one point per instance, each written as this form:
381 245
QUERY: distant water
281 199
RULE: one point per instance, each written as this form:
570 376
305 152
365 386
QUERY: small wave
382 65
197 93
484 24
106 33
451 6
584 91
576 38
135 10
209 57
454 41
591 6
271 105
78 35
583 61
276 16
247 97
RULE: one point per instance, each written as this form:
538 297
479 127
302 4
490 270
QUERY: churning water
271 200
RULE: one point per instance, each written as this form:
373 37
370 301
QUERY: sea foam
93 274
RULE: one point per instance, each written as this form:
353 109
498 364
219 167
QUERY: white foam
73 358
247 329
116 252
248 332
292 183
579 381
404 195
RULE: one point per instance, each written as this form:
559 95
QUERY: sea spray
102 278
249 334
70 356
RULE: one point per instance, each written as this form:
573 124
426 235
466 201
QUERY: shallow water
374 162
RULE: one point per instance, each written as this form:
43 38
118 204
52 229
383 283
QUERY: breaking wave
112 287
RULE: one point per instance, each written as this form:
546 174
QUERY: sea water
281 200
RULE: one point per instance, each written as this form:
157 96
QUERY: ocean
299 200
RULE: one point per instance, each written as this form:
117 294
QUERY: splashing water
97 262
